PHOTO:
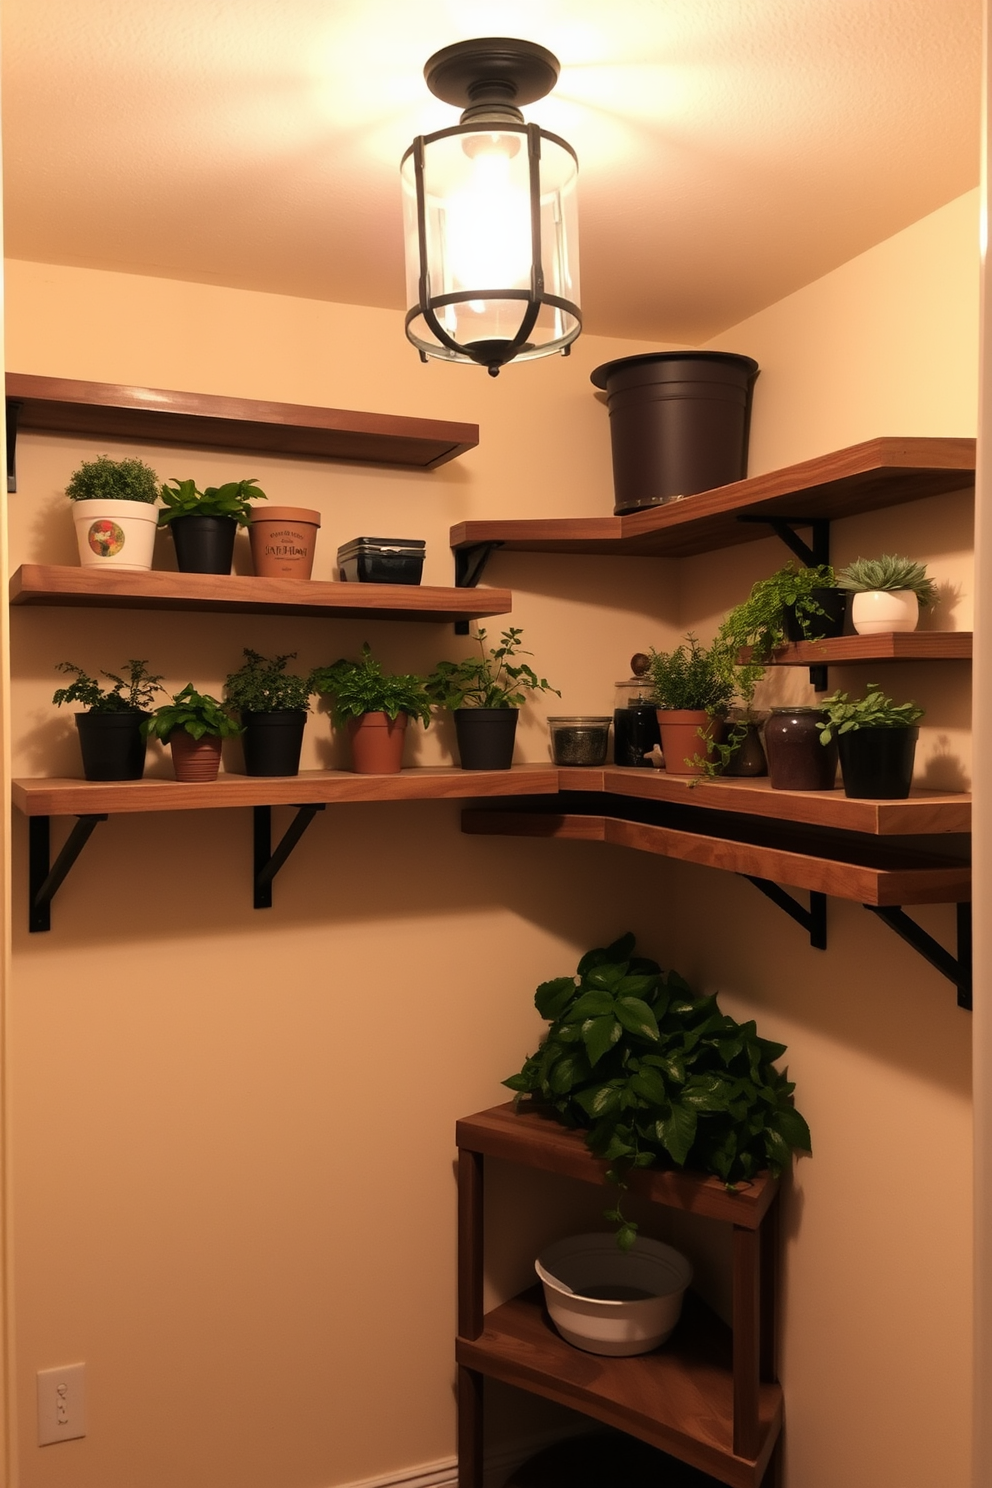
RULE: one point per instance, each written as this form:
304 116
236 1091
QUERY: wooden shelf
869 870
159 416
43 584
865 477
525 1136
678 1398
916 645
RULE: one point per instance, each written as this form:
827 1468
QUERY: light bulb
488 227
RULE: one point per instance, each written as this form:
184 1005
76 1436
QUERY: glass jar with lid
635 717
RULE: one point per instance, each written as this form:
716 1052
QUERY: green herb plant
132 693
196 713
262 685
759 622
874 710
493 679
657 1076
182 499
359 687
891 571
104 479
693 677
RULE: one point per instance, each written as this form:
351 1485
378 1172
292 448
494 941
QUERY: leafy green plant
493 679
132 693
104 479
262 685
657 1076
693 677
759 622
196 713
891 571
874 710
182 499
359 687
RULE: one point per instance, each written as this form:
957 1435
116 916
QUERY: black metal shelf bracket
44 877
813 920
266 862
955 969
13 411
470 565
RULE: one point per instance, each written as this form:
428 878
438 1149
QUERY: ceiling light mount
490 210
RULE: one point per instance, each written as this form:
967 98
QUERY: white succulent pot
115 534
878 610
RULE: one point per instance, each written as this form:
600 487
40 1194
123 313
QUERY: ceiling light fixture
492 263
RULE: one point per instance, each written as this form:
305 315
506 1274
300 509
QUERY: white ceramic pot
115 534
609 1301
878 610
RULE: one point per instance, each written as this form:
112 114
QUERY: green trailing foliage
195 713
874 710
132 693
493 679
657 1076
359 687
262 685
104 479
759 622
891 571
233 499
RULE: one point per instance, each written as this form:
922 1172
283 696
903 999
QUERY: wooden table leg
747 1339
469 1428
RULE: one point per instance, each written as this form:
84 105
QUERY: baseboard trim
443 1474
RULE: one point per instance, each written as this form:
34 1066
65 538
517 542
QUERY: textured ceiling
730 150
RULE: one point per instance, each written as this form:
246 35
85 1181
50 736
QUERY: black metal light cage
491 354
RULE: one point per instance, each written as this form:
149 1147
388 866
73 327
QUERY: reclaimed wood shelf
104 588
708 1396
916 645
161 416
864 477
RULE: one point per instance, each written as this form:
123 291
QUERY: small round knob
639 663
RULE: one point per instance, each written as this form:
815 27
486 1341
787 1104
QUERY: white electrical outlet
61 1403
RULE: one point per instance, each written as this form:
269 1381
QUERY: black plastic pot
679 423
112 745
877 763
485 737
802 626
272 741
204 544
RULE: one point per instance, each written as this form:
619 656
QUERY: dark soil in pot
204 544
485 737
273 741
112 745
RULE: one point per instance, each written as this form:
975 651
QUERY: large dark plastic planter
273 741
877 763
833 602
679 423
485 737
112 745
204 544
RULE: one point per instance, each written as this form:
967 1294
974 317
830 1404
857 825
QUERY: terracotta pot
194 759
283 539
680 740
377 743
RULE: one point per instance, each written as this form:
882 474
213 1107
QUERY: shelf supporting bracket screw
470 565
267 863
813 920
44 877
955 969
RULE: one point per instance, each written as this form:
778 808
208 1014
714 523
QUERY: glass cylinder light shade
491 244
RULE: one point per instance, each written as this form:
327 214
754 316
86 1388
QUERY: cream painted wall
232 1130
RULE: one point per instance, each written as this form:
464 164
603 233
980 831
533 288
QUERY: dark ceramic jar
796 758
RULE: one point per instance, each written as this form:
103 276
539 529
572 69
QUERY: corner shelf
157 415
44 584
708 1397
863 477
916 645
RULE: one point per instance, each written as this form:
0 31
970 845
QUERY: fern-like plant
133 693
891 571
262 685
693 677
359 687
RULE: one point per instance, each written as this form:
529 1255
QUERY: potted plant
657 1076
194 725
273 706
794 603
110 738
114 513
693 690
375 707
877 742
485 692
888 592
203 523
